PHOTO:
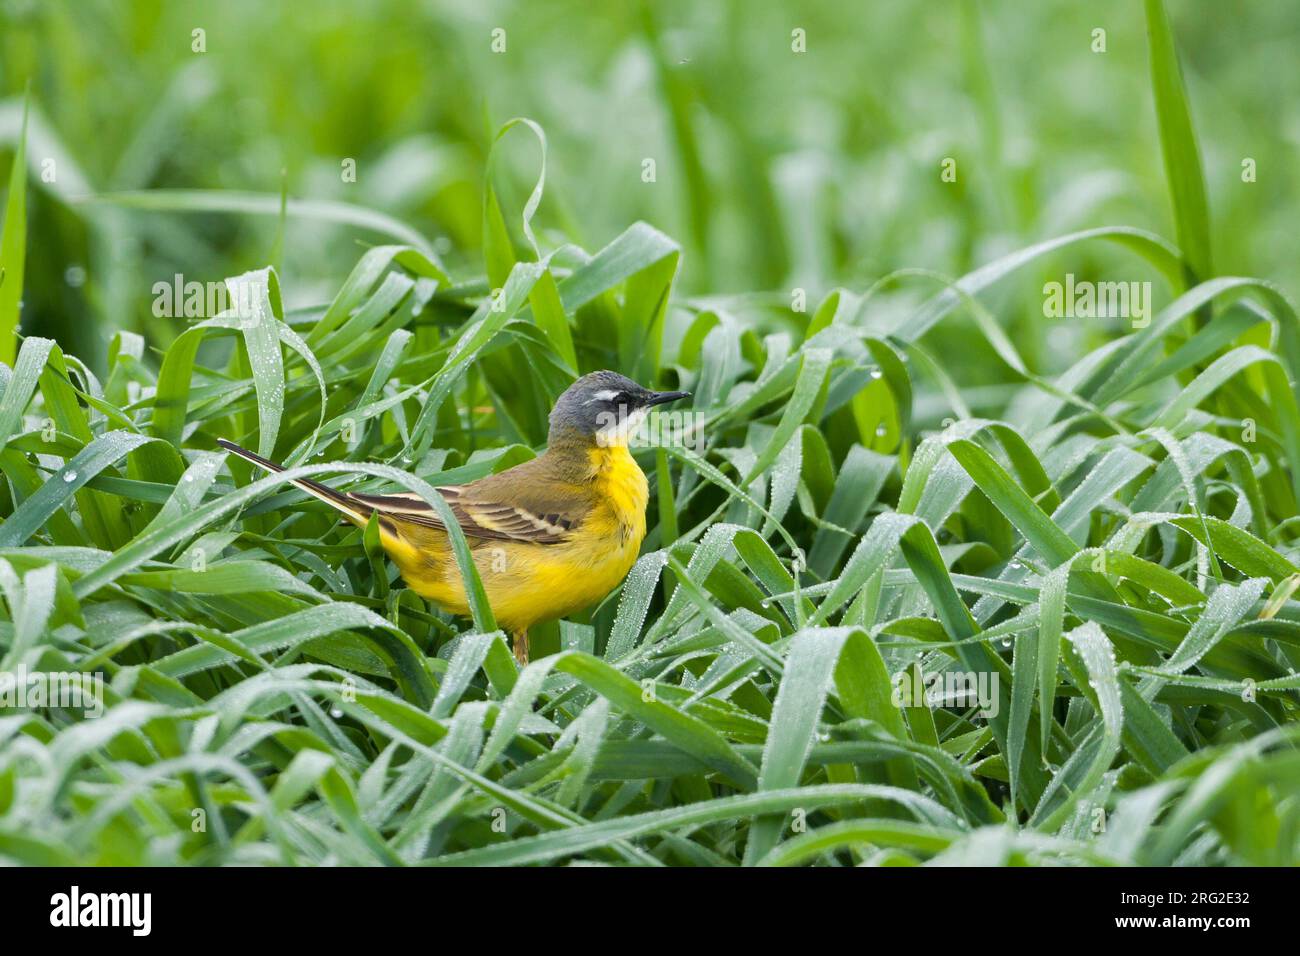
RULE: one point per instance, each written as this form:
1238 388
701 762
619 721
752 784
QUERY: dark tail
337 499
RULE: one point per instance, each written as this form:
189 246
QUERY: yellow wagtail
549 537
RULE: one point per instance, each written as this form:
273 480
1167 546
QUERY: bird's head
604 408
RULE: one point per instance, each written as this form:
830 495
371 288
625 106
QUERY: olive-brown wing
540 513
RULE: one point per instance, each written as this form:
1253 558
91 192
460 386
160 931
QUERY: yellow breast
560 579
528 583
621 484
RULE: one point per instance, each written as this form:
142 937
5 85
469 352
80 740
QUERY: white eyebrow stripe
604 395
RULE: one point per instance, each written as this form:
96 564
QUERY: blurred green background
775 169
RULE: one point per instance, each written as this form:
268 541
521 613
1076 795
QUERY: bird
549 536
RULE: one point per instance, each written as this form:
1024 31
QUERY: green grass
1112 543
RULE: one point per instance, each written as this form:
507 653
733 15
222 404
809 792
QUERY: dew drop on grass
70 475
875 372
336 713
881 431
638 589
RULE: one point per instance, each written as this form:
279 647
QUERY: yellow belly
528 583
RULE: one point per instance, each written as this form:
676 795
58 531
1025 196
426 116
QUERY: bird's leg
521 646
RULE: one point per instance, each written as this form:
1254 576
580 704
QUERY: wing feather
498 520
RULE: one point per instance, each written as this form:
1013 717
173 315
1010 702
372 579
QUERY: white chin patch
621 432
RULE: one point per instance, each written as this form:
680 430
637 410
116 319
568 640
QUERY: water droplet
876 373
881 431
75 276
70 475
336 713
